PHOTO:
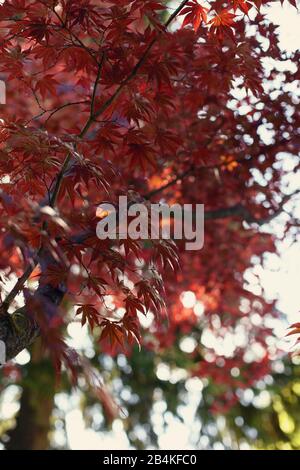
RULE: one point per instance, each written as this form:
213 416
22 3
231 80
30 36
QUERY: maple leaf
89 314
222 24
167 253
107 139
114 332
295 330
195 14
138 109
38 28
150 295
54 275
97 283
132 327
47 85
134 305
223 18
131 246
81 13
140 150
47 55
167 140
147 6
243 5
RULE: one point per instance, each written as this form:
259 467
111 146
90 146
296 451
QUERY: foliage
109 98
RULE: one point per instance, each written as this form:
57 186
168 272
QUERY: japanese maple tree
175 101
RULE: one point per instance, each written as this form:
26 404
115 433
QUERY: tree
110 98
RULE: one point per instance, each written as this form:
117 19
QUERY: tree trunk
36 405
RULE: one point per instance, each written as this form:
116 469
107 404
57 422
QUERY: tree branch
192 168
140 62
238 210
21 328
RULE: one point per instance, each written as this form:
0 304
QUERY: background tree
129 98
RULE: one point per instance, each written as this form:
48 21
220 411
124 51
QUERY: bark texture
19 333
19 330
33 421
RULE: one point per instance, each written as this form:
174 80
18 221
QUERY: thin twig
138 65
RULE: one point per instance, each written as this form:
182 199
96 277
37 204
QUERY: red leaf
89 314
195 14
